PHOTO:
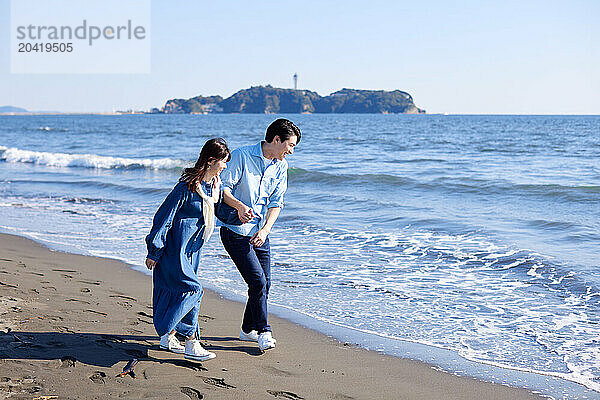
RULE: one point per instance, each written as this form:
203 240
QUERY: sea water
475 235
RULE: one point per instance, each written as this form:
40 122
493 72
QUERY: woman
182 224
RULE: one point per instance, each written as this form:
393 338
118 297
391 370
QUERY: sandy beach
70 323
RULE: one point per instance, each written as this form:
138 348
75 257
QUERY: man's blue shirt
257 182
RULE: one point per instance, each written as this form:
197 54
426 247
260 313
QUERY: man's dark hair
284 128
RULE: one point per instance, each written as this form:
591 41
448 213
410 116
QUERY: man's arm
258 239
230 177
245 213
274 206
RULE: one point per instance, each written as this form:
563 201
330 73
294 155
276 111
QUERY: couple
253 183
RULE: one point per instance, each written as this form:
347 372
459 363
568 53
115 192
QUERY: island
12 110
271 100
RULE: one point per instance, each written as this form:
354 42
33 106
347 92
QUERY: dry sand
70 323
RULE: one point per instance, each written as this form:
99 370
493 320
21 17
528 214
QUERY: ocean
476 237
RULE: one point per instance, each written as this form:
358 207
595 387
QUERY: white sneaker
171 343
195 351
266 341
251 336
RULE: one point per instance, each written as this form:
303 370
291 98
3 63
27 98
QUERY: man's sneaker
266 341
171 343
251 336
195 351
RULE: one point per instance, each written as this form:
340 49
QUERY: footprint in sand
97 283
276 371
144 321
98 377
136 353
96 312
63 329
218 382
67 362
191 393
124 300
120 296
191 365
53 318
284 394
124 304
143 314
78 300
24 340
71 271
26 384
114 338
103 342
340 396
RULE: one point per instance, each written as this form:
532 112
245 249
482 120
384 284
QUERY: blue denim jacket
257 182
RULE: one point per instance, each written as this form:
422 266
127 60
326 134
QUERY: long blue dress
174 243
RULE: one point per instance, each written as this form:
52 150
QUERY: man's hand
245 213
258 239
150 263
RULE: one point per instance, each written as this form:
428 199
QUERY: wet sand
70 323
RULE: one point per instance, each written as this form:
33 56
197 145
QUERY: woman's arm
162 222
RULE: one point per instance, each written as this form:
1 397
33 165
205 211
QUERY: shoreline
60 306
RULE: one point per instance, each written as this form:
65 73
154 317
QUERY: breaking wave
14 155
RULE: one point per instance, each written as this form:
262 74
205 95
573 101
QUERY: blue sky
505 57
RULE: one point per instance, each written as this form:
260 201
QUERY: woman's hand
245 213
150 263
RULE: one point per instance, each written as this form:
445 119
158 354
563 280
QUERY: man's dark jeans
254 264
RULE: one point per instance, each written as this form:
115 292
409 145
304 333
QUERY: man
254 184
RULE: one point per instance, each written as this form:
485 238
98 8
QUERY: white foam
500 255
571 319
15 155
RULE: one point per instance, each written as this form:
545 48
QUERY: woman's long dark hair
213 149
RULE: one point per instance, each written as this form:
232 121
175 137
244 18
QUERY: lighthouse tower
295 81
